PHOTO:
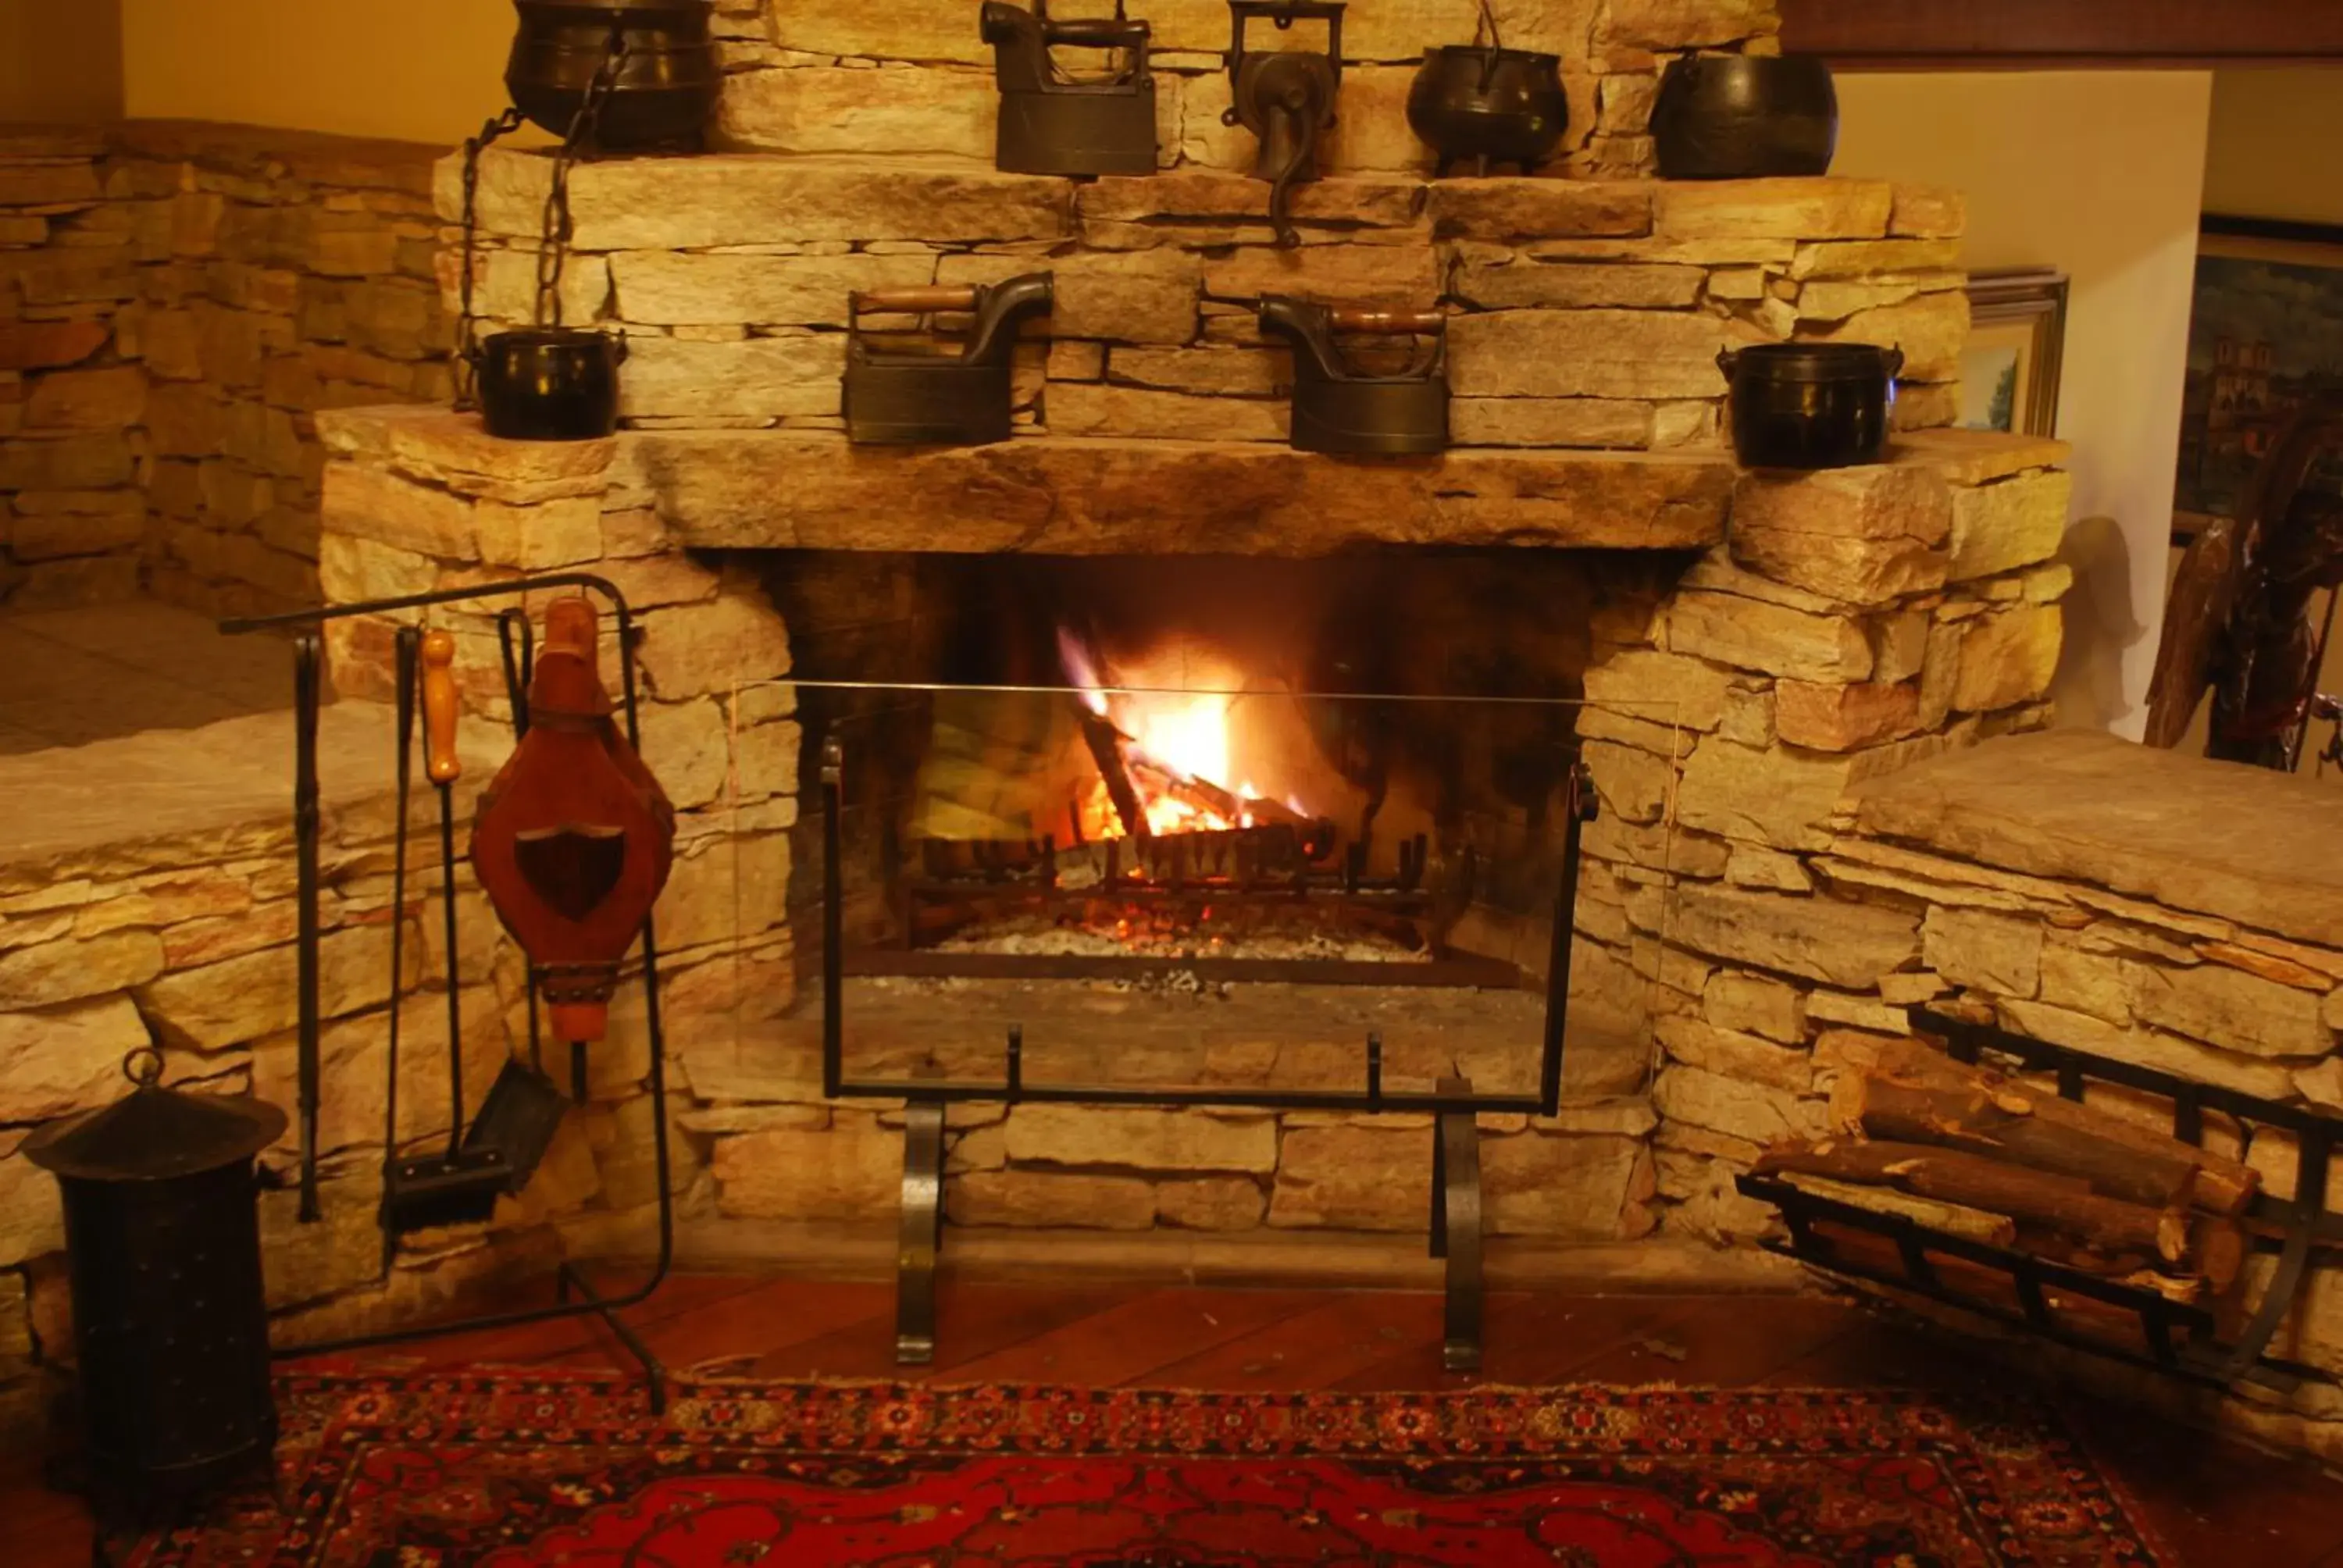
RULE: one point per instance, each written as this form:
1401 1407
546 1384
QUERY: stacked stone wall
1582 313
801 75
176 303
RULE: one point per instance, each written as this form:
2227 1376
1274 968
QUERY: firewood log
2057 1202
2216 1247
1952 1219
2086 1314
2010 1122
2221 1185
2186 1288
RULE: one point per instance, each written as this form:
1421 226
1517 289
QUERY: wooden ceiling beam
2060 34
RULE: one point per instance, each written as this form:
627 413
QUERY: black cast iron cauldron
170 1319
1483 102
1744 116
665 84
1810 405
550 383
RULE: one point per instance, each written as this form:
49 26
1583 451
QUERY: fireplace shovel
500 1149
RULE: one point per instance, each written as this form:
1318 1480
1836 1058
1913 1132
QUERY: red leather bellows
574 837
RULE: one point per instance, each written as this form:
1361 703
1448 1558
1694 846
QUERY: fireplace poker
306 827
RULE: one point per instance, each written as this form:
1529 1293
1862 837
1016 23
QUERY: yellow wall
2099 174
417 70
2276 147
60 60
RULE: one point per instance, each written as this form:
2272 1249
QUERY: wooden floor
2213 1503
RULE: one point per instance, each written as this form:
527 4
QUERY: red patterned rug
508 1469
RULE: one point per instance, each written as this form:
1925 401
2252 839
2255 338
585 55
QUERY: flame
1177 738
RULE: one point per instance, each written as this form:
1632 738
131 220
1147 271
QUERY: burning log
1106 743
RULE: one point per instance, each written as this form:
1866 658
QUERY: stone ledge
713 199
1072 495
781 490
2192 834
1319 1258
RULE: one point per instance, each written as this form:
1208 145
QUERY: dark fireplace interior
1195 775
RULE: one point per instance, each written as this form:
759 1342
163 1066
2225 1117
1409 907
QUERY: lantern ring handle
143 1067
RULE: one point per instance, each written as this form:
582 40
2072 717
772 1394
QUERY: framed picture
2267 333
2017 338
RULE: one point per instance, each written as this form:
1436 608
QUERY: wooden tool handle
938 296
439 761
1390 323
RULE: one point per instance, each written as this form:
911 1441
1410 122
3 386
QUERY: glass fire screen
1258 896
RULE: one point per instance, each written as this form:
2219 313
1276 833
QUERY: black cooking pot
1744 116
1810 405
550 383
1482 104
664 85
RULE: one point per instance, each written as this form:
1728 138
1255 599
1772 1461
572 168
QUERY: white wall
2101 175
2277 145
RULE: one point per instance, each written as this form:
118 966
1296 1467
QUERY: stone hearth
1806 701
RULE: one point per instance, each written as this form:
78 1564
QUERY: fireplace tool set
572 841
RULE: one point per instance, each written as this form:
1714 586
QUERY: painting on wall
2017 336
2266 336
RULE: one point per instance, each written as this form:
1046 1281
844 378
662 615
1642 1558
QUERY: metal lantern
170 1316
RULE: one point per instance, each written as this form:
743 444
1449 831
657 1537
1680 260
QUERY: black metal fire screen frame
2182 1338
1456 1209
570 1279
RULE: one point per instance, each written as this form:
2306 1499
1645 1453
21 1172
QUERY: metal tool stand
575 1295
1454 1105
2181 1337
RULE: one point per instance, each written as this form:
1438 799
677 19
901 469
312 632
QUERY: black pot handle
1894 359
1728 361
618 355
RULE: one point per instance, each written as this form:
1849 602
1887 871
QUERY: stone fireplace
1731 650
1758 670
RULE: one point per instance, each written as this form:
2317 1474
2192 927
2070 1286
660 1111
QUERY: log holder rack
1453 1103
575 1294
2181 1338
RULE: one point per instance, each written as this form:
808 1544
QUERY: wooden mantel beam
2051 34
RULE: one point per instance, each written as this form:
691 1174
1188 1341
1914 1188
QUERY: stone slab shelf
416 479
1080 496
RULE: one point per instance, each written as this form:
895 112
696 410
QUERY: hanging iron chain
467 325
553 242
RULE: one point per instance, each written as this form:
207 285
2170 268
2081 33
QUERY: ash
1153 935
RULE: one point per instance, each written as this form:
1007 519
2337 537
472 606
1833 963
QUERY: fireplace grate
2183 1339
963 879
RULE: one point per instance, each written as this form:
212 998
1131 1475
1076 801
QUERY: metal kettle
1285 97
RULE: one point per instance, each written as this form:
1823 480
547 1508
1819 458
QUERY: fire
1180 745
